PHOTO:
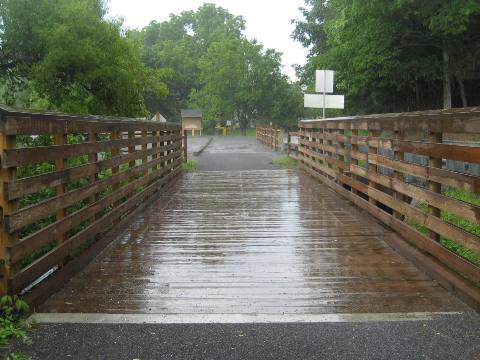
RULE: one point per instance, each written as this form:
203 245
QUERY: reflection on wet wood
252 242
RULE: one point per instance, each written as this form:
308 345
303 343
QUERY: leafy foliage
399 55
214 67
69 57
11 325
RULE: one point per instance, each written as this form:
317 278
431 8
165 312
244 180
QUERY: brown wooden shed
192 121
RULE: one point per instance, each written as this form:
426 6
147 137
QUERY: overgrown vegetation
12 325
190 166
285 162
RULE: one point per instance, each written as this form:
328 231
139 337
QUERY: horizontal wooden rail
365 159
68 183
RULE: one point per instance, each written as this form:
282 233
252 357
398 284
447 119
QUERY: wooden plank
450 178
371 167
357 155
25 246
436 150
22 156
60 164
43 209
450 280
354 150
340 164
42 237
463 209
453 121
36 124
317 166
25 186
30 273
433 186
53 283
7 207
430 221
455 262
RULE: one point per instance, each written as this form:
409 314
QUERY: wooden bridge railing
68 183
365 159
271 136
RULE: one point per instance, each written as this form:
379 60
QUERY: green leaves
70 55
214 67
389 56
11 308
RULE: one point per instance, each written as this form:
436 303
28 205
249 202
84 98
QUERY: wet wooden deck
252 242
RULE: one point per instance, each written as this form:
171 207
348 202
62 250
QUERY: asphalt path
236 153
445 337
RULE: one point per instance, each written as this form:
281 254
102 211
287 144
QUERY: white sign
324 81
229 122
331 101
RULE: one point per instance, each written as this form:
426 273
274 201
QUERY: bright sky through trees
268 21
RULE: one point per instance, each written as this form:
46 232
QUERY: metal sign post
324 89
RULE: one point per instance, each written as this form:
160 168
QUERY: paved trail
234 154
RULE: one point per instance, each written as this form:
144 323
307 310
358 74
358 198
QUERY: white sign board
324 81
229 122
331 101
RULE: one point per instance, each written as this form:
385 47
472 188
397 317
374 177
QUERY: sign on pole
331 101
324 80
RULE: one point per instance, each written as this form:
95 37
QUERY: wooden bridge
98 217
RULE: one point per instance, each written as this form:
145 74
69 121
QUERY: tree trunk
461 85
447 84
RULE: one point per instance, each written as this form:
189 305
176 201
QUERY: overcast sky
268 21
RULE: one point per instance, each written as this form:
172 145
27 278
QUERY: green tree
70 55
242 81
175 47
395 56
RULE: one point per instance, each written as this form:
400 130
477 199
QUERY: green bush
11 324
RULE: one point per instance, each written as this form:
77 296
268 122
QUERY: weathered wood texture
292 146
427 217
270 136
252 242
60 200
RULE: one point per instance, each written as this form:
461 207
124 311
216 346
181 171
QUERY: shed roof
191 113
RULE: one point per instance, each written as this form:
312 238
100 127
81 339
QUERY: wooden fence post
93 158
341 150
8 207
398 156
435 187
353 148
185 145
372 168
289 140
60 164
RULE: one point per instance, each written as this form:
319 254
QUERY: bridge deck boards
266 242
